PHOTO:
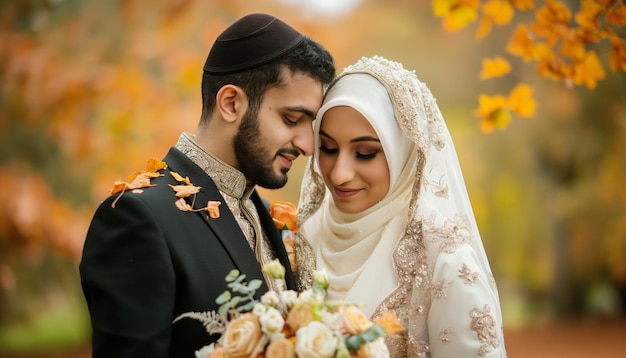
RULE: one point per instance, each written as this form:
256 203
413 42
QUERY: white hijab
350 246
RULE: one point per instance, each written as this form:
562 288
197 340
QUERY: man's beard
253 157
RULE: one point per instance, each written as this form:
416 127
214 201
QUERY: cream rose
354 321
374 349
315 341
243 337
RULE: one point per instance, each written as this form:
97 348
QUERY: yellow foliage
522 44
617 58
523 4
495 67
520 101
617 15
492 110
500 11
495 111
456 14
563 50
589 71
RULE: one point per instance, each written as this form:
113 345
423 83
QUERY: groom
148 259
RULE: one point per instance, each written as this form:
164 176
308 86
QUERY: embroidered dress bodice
236 193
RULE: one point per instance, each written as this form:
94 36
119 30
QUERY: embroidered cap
251 41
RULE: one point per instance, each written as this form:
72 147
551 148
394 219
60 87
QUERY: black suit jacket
145 262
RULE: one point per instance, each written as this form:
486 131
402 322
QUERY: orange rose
354 321
281 348
300 315
284 214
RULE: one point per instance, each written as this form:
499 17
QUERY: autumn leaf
154 165
523 4
522 44
499 11
182 205
589 14
183 191
492 110
495 67
180 179
138 180
617 58
520 101
456 14
589 71
213 208
616 15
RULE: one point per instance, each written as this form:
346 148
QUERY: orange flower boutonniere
285 217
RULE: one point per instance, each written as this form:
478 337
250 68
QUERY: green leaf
255 284
354 343
223 298
232 275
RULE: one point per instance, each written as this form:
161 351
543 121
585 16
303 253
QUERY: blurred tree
564 38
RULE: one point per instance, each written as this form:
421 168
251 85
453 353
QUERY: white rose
315 341
206 351
272 322
270 298
289 297
333 320
259 309
374 349
310 296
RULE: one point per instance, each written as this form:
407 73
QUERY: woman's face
352 160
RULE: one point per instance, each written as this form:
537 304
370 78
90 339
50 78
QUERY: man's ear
231 102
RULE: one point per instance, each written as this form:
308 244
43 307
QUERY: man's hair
309 57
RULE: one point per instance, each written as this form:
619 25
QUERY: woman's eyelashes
363 156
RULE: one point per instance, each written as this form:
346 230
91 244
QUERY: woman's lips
345 193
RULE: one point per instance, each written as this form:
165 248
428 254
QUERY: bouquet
287 324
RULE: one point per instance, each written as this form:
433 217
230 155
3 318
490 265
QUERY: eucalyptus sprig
240 297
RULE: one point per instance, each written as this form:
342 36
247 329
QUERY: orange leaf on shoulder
180 179
213 207
182 205
183 191
154 165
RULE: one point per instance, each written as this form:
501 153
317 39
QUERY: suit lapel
225 227
275 238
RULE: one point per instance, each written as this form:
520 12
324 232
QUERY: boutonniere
139 180
285 216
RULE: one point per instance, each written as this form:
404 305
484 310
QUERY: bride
384 210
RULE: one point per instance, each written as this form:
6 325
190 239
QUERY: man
148 260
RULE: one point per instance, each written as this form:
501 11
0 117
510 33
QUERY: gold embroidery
444 335
468 277
484 324
439 288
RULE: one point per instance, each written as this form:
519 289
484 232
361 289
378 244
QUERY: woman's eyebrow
365 138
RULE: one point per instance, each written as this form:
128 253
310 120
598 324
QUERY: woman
384 210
